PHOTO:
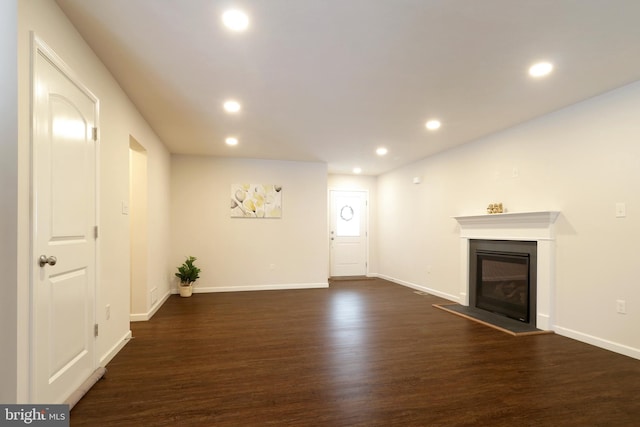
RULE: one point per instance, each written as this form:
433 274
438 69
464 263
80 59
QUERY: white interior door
64 234
348 233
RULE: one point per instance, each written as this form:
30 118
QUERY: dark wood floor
361 353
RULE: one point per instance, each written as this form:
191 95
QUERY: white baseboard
598 342
138 317
543 321
106 358
141 317
420 288
275 287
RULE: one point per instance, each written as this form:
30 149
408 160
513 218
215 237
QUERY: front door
348 233
63 229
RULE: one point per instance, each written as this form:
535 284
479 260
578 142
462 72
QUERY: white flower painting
256 201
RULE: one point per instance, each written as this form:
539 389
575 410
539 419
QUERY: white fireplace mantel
525 226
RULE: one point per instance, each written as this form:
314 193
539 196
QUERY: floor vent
422 293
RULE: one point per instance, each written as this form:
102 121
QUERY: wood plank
355 354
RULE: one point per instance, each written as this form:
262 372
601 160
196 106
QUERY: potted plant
187 273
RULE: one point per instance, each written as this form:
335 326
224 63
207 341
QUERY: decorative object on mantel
495 208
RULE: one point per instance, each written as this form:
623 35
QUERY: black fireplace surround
502 278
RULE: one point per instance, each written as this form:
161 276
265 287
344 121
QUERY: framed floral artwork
256 201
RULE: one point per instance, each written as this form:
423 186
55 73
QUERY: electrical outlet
272 266
154 296
621 210
621 306
107 311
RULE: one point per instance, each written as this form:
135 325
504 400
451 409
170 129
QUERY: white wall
238 253
158 218
368 184
9 197
119 120
581 161
138 230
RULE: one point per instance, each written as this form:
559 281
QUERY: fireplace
535 227
502 278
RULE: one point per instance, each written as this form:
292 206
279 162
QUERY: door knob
43 260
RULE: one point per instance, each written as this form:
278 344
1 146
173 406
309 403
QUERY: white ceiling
331 80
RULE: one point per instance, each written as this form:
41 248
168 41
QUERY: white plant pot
185 291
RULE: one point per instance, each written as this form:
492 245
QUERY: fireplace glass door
503 284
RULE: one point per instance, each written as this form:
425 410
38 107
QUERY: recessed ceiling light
381 151
433 124
357 170
540 69
232 106
231 141
235 20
